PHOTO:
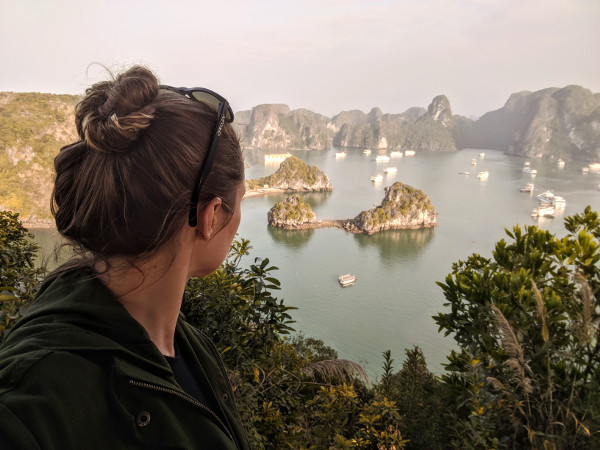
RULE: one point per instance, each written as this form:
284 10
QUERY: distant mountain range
554 122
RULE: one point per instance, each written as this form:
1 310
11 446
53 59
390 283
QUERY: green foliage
19 278
527 323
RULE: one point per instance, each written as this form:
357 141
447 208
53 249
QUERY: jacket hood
75 312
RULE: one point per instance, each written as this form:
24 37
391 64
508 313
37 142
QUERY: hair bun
114 113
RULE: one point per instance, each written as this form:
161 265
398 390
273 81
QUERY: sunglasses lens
211 101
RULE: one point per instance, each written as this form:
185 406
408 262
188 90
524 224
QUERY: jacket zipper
186 398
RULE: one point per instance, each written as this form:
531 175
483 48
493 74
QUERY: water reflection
314 199
52 253
290 238
397 244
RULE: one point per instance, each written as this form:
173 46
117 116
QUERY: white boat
396 154
527 188
585 169
483 175
481 155
473 162
377 177
347 279
594 167
277 157
529 170
390 170
526 164
561 164
340 154
409 153
382 158
546 196
367 151
543 211
559 202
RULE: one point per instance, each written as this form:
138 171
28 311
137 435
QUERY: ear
208 218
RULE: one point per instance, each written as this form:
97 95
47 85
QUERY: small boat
377 177
527 188
390 170
277 157
340 154
396 154
409 153
528 169
585 169
594 167
526 164
347 279
481 155
543 211
466 172
473 162
382 158
483 175
561 164
546 196
559 202
367 151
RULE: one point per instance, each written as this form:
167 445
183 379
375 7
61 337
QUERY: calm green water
391 305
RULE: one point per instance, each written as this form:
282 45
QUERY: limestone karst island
403 207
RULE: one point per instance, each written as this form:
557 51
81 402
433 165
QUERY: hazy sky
324 55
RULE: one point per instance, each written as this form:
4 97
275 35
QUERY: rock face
402 207
419 129
291 214
294 175
563 123
274 127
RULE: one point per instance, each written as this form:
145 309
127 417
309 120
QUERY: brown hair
125 188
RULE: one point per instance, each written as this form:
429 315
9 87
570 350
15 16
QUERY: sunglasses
224 114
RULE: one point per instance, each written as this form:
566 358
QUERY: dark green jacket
78 372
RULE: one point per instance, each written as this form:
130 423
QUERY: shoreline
346 225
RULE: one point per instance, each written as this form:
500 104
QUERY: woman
151 196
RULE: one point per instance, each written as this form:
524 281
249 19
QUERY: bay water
395 296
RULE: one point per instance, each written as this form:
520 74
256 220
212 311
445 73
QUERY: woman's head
126 187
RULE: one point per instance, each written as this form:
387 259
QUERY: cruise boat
481 155
367 151
340 154
543 211
594 167
409 153
483 175
559 202
390 170
377 177
547 197
528 188
382 158
528 169
473 162
347 279
396 154
277 157
561 164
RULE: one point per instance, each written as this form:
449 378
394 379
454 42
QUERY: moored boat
396 154
277 157
382 158
340 154
543 211
561 164
347 279
483 175
527 188
409 153
367 151
390 170
377 177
